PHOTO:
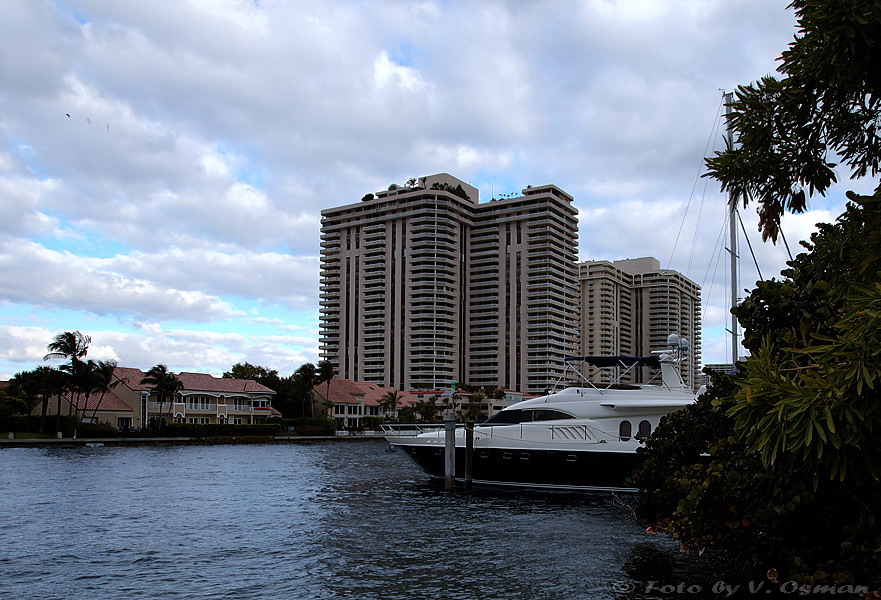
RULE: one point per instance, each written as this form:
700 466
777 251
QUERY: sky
163 165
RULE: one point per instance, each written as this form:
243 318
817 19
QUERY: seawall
180 441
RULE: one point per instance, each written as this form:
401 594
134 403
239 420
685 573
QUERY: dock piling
469 453
449 450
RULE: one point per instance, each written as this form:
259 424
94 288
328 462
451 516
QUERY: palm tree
427 409
474 412
86 378
72 345
79 386
164 383
24 385
325 375
305 378
389 402
51 384
103 381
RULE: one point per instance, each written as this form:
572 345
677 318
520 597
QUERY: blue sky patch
402 54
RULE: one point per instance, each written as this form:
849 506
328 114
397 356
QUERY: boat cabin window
625 431
505 417
645 430
549 414
513 417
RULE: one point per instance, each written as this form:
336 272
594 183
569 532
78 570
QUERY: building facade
351 403
130 404
629 307
523 290
422 286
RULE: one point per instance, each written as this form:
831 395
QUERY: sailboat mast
732 241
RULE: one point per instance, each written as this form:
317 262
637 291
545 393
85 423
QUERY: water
334 520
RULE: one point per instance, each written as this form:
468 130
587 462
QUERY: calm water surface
334 520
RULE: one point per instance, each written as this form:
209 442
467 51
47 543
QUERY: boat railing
410 429
365 432
661 361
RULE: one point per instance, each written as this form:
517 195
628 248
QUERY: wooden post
450 450
469 453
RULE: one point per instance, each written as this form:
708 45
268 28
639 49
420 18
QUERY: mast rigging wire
780 229
749 245
697 177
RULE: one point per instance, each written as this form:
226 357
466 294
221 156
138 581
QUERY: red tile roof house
351 401
203 399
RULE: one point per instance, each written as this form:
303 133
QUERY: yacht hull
531 467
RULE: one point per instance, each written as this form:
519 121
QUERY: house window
199 402
339 409
123 422
236 420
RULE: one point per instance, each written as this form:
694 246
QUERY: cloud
269 277
21 348
387 73
31 274
205 137
23 344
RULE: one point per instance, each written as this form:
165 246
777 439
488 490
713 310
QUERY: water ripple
317 522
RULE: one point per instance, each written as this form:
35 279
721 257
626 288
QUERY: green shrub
312 426
96 430
31 423
373 422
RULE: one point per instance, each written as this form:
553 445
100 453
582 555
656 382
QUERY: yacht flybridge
581 437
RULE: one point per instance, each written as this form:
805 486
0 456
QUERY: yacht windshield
505 417
549 414
513 417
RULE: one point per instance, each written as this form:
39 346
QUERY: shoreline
180 441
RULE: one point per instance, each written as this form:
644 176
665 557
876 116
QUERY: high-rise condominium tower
629 307
422 285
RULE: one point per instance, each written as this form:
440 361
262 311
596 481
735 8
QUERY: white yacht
582 437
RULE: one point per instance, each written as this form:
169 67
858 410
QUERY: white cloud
22 348
631 10
241 13
232 124
31 274
388 73
23 344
